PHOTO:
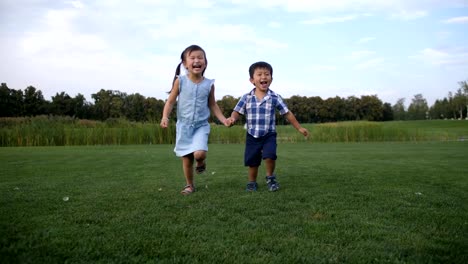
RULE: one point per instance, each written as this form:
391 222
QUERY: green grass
338 203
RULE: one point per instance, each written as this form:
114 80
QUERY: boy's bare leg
253 172
270 166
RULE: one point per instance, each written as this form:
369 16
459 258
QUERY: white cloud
443 35
274 24
199 3
409 15
371 63
322 68
76 4
457 20
328 20
452 57
361 54
365 40
355 5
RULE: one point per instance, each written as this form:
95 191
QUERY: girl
196 97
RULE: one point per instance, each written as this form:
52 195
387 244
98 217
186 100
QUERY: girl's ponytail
177 73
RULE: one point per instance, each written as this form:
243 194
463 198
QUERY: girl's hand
164 122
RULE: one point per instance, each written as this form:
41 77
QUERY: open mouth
197 66
263 82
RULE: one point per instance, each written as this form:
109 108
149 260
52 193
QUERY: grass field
338 203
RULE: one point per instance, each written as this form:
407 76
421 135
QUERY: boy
259 106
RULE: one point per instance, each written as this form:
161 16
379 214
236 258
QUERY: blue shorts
260 148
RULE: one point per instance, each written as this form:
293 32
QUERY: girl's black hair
260 65
184 53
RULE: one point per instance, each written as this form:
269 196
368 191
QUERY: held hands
229 122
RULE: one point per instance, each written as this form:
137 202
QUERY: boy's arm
292 119
234 116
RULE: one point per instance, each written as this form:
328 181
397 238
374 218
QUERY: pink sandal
188 189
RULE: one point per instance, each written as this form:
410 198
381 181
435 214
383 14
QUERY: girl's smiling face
195 62
261 79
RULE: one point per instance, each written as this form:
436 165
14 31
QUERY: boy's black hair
260 65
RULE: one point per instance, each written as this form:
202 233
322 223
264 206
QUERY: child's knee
200 155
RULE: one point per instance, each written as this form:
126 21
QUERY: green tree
440 109
387 112
82 108
300 106
418 109
109 103
10 104
102 101
352 106
62 104
316 104
135 107
459 103
399 112
371 108
464 94
117 107
34 102
153 109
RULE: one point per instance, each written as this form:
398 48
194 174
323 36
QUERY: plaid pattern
260 114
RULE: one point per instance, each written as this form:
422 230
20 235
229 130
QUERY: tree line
136 107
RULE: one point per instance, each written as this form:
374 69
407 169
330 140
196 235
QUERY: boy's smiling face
261 79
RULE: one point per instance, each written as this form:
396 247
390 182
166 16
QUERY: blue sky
389 48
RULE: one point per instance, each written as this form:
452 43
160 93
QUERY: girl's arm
171 100
215 108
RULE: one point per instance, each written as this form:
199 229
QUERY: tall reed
67 131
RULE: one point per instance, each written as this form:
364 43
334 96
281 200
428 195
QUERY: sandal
188 189
201 169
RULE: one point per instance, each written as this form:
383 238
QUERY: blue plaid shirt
260 114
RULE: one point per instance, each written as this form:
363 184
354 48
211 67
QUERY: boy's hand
304 131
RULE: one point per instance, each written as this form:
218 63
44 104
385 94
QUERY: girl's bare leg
187 165
200 156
